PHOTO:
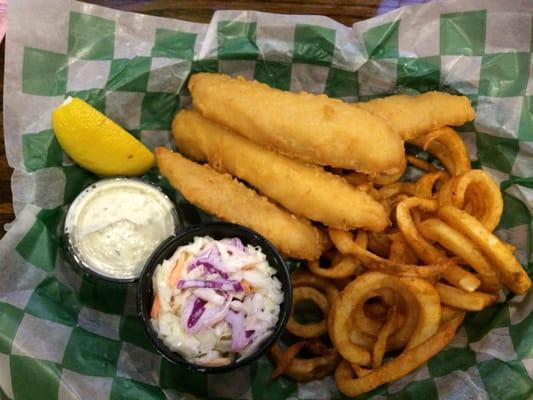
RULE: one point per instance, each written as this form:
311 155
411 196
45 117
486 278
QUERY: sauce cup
112 227
217 231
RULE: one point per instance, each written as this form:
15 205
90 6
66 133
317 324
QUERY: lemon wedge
96 143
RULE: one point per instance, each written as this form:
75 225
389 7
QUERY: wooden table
344 11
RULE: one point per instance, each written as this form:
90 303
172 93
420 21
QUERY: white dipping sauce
114 225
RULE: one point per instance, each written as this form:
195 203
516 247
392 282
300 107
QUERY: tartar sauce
113 226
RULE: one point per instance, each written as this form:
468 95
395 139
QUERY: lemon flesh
98 144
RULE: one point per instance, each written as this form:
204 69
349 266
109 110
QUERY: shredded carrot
156 306
174 276
246 286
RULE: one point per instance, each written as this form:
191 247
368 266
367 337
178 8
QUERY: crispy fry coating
312 128
230 200
413 116
304 189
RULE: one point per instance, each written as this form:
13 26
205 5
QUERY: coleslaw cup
217 230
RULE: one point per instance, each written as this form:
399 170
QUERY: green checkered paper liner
63 336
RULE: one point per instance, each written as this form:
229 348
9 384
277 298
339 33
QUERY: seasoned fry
344 268
478 188
307 285
397 188
344 243
421 164
304 278
310 287
360 371
304 369
369 325
512 274
424 186
412 116
425 250
361 339
438 231
397 252
343 339
381 340
458 298
304 189
430 311
378 243
430 137
312 128
286 359
310 330
375 310
317 347
449 149
448 313
400 250
230 200
398 367
354 296
361 239
461 278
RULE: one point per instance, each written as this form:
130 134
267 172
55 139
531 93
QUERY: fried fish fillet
413 116
313 128
230 200
304 189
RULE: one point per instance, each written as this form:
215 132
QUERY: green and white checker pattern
63 336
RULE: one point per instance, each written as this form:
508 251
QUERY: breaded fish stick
313 128
304 189
413 116
230 200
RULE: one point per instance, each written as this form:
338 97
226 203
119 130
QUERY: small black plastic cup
218 231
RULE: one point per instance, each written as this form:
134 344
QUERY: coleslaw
215 301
